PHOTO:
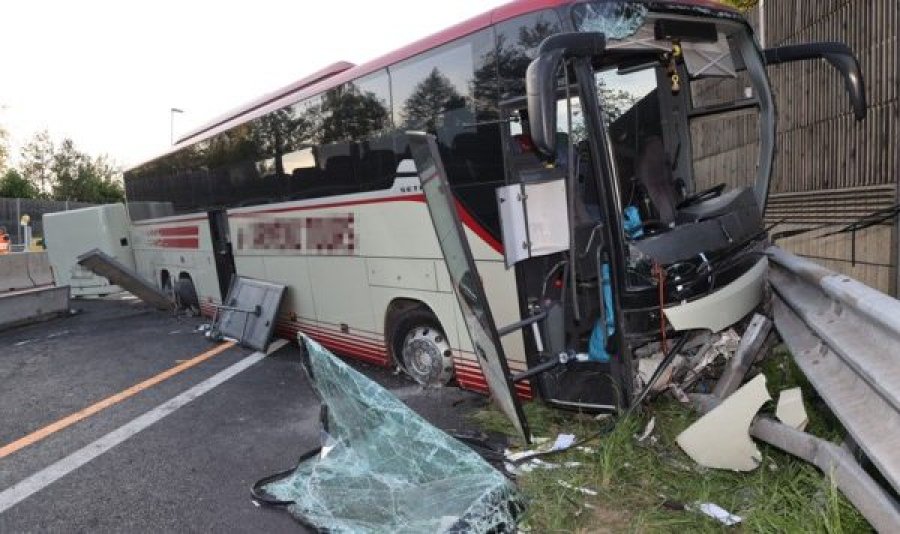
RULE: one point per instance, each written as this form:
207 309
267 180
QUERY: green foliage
77 176
36 157
62 172
14 185
743 5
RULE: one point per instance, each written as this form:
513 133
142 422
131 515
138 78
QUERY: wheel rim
426 356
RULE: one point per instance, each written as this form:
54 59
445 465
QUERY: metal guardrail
845 337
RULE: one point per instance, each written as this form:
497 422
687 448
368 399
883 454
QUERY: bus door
222 252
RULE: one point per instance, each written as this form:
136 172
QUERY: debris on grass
563 442
788 495
790 409
716 512
647 430
586 491
721 438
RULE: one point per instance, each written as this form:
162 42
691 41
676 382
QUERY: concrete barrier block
39 268
14 272
22 307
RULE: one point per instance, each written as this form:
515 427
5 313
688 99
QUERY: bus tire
420 347
186 294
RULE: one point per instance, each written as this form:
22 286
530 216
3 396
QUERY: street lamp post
172 113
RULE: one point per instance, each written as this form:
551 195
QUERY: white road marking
50 474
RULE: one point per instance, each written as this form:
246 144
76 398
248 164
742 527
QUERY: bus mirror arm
541 82
839 55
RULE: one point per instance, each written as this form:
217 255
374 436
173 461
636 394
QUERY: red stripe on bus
338 204
472 378
335 333
170 220
468 220
178 242
361 347
358 332
176 231
476 367
350 352
368 349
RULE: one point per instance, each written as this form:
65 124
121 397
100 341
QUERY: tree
615 102
37 159
349 113
65 166
77 176
429 99
14 185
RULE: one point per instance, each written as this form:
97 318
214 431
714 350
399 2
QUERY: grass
639 484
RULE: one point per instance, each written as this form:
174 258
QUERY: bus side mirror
541 82
839 56
540 88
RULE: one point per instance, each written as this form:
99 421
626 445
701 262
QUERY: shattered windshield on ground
383 468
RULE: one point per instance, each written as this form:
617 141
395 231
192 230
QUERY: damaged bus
575 138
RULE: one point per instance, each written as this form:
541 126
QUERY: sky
107 73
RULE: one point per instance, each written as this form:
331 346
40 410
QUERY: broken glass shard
616 20
387 469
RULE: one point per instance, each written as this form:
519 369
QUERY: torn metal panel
533 219
249 312
467 286
724 307
752 343
382 468
790 409
101 263
721 438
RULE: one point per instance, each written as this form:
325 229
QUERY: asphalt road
191 470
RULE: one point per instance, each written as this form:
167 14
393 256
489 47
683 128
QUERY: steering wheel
701 196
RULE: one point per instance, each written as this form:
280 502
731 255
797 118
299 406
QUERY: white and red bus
313 186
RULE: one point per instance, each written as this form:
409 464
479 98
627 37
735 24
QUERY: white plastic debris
721 438
563 442
586 491
648 366
647 429
717 512
790 409
537 463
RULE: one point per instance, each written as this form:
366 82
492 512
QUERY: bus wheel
187 294
421 348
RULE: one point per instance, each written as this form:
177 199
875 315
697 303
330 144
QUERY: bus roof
337 74
315 77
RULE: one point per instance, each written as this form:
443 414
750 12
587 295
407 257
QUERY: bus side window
375 147
517 42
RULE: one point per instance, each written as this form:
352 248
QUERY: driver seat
654 173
